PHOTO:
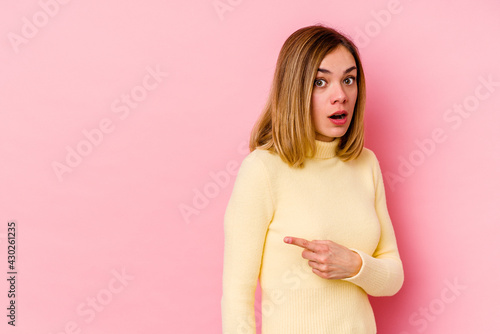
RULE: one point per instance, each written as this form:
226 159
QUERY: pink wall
141 105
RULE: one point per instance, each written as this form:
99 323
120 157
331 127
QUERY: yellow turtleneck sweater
328 199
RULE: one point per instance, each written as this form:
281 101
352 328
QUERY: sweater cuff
372 276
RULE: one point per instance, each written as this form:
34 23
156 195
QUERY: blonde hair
285 126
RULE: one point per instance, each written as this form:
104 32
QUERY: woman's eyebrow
323 70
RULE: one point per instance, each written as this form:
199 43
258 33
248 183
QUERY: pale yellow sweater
327 200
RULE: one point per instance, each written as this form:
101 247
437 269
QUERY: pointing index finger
299 242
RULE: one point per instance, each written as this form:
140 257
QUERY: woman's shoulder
264 160
367 155
262 155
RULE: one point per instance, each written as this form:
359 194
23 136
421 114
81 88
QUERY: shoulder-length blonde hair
285 126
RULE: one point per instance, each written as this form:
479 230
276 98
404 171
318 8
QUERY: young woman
308 214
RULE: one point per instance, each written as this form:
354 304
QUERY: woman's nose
338 95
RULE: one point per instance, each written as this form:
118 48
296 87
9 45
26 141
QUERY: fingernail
287 240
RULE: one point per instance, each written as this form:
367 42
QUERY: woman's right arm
249 211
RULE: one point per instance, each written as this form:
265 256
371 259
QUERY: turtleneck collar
325 149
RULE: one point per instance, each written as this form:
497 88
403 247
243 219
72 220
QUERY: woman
308 214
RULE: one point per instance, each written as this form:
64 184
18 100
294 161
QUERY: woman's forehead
339 61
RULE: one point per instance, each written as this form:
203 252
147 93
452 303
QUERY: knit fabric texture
328 199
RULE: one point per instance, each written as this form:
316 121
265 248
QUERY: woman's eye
319 82
350 80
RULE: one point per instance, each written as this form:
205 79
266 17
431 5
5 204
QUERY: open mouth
338 116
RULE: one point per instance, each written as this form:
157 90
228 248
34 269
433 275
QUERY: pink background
66 69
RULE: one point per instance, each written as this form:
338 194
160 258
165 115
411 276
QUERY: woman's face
335 91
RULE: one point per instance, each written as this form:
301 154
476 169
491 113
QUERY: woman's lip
340 121
338 112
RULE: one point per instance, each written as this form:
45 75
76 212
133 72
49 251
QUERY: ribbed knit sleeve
249 211
381 273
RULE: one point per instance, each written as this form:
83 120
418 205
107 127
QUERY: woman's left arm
381 273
